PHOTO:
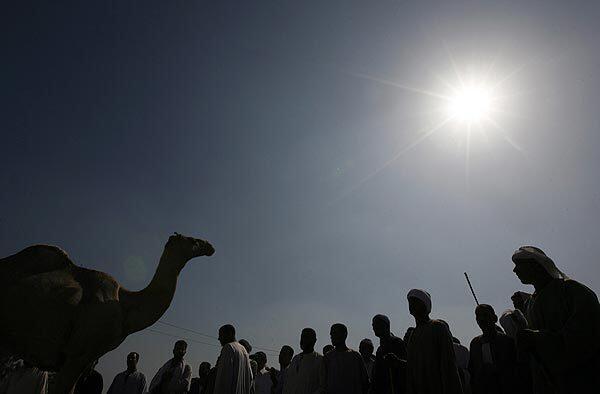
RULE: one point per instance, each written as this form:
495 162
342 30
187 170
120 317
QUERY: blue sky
259 127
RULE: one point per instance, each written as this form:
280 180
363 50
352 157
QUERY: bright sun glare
470 104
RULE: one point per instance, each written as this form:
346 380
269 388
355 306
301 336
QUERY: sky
302 140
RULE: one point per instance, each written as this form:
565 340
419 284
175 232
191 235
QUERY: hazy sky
259 127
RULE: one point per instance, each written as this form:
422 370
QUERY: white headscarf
421 295
537 255
513 321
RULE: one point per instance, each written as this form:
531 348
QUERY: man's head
308 338
261 360
366 348
486 317
246 345
203 369
226 334
533 266
285 355
179 349
132 360
338 334
327 348
381 326
419 303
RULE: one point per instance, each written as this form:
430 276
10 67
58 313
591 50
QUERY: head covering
513 321
421 295
538 255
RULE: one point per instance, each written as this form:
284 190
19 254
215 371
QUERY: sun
470 104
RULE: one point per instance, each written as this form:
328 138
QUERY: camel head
187 247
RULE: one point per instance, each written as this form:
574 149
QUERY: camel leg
68 375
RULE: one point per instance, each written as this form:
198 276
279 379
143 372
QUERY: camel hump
34 260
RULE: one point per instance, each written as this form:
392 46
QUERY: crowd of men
549 344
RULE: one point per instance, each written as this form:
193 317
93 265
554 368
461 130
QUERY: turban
421 295
538 256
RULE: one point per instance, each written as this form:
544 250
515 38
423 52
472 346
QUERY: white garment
180 379
234 375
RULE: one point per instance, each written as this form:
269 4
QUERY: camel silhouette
61 317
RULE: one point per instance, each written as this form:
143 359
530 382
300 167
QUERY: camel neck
145 307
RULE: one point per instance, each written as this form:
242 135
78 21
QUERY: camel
61 317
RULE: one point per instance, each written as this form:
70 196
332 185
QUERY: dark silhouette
327 348
564 327
90 312
492 356
345 372
462 361
234 374
305 375
407 334
278 375
175 375
431 361
366 349
130 381
253 364
90 381
389 373
200 383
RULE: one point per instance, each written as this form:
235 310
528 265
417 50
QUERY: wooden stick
471 287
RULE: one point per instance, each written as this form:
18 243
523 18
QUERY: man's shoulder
577 288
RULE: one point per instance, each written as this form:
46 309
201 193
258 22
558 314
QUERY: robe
234 375
492 364
174 377
345 373
128 383
566 358
381 383
305 375
431 367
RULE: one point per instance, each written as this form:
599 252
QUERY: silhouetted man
388 373
130 381
253 364
564 322
431 363
200 383
90 381
513 321
278 376
462 361
305 375
345 372
366 349
262 383
234 375
175 375
493 356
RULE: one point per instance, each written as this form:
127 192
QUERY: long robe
128 383
173 377
492 364
234 375
381 383
431 367
566 358
345 373
305 375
